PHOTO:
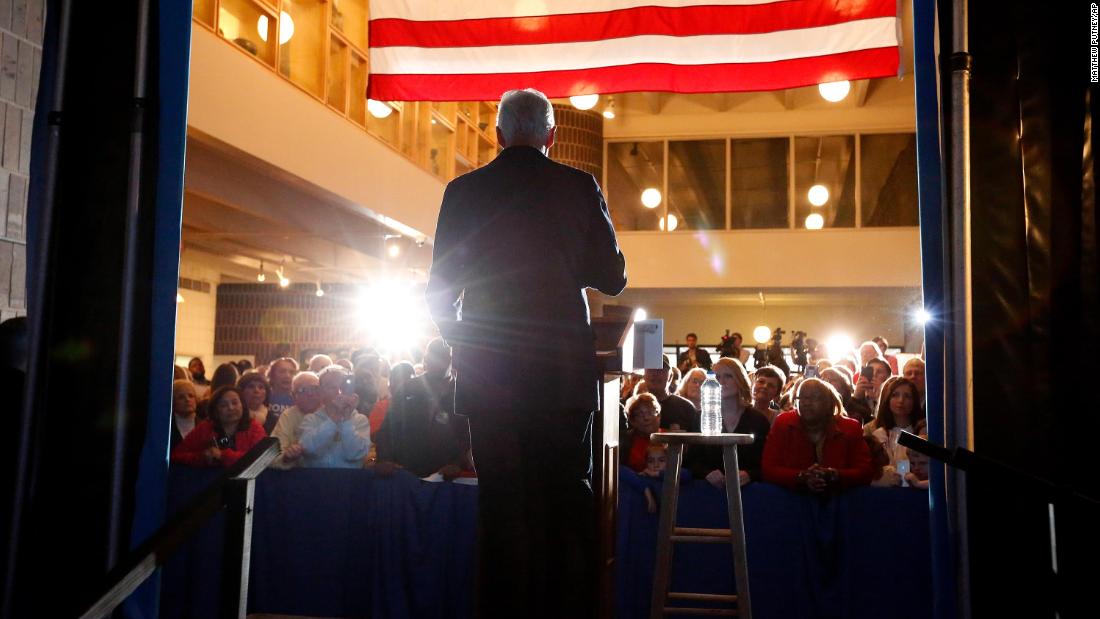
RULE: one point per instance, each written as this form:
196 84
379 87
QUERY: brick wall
21 29
267 321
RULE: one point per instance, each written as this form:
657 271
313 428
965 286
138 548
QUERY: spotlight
922 316
320 291
393 313
283 281
762 334
261 276
818 195
609 111
394 250
640 314
839 345
834 91
378 109
584 102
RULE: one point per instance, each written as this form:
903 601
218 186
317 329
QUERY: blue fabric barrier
341 543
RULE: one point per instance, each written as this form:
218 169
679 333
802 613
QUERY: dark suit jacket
517 243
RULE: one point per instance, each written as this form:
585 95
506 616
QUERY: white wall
196 315
236 100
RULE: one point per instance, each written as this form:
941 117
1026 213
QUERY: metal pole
237 548
961 398
129 274
36 315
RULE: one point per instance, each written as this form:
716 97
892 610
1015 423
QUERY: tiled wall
21 28
267 321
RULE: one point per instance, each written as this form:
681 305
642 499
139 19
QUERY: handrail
226 490
970 462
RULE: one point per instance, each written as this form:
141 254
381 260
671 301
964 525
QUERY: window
825 162
697 184
203 10
888 179
337 75
632 168
302 33
357 98
349 17
249 27
758 183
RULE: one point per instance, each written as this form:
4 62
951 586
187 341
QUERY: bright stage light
818 195
393 313
584 102
922 316
834 91
762 334
651 197
839 346
378 109
640 314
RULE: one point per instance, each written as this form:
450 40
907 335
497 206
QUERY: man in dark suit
517 243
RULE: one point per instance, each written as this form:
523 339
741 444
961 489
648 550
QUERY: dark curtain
1035 331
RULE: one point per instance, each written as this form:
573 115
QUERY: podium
613 332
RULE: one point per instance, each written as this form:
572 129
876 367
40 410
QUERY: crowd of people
347 413
819 434
832 427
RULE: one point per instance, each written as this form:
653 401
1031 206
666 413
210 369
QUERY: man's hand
293 452
716 478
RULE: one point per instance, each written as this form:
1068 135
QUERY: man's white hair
525 117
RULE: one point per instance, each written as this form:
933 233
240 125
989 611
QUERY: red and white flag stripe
476 49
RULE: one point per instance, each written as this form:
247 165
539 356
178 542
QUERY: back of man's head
525 117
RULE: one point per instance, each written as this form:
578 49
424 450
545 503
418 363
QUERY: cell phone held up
867 372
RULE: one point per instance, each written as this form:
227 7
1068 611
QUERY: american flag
465 50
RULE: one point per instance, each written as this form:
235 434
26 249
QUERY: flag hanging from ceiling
464 50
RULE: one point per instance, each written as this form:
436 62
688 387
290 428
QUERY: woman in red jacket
816 447
222 439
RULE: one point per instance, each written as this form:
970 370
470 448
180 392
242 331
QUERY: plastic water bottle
711 399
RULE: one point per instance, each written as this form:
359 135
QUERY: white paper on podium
649 338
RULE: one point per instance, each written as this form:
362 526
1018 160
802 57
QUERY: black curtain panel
1035 315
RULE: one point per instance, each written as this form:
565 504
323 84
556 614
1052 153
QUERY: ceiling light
762 334
584 102
672 222
814 221
651 198
283 281
378 109
818 195
261 276
394 250
179 298
285 33
834 91
320 291
922 316
609 111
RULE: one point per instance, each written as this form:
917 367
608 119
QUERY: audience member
224 438
867 351
918 468
677 414
346 364
626 389
319 362
914 373
883 345
335 436
641 387
400 374
693 357
656 461
243 366
868 387
184 407
198 376
225 375
816 448
181 373
898 410
280 377
255 392
423 434
840 381
738 416
307 399
643 418
767 383
691 387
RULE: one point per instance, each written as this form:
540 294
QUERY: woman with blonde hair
739 417
690 387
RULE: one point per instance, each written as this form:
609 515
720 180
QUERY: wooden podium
613 334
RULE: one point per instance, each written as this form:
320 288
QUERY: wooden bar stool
668 532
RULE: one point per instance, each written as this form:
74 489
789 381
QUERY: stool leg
670 494
737 531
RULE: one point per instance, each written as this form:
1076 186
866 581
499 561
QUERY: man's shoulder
678 401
